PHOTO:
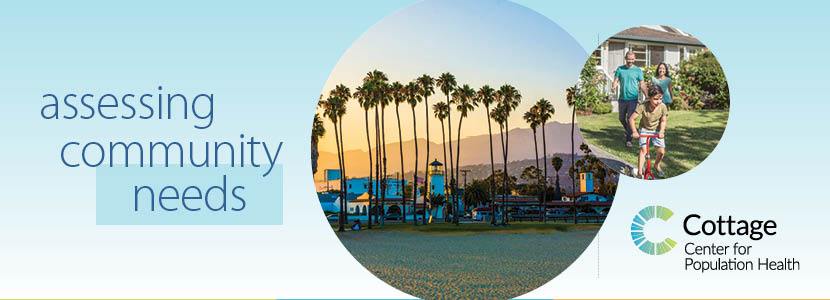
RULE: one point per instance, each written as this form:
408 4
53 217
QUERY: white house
651 45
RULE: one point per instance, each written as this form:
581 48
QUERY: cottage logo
638 230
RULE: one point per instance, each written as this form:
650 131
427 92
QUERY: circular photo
653 98
446 157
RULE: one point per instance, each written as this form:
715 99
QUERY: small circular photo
655 99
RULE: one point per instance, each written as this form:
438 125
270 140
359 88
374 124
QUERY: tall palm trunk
457 170
400 148
492 194
426 161
378 209
383 185
343 177
544 177
573 161
369 144
343 174
536 153
506 187
340 224
444 144
452 167
504 183
415 175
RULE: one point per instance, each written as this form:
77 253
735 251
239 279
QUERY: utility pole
464 175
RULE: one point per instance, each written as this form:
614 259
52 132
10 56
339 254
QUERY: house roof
660 34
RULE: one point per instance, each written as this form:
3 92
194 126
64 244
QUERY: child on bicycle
653 117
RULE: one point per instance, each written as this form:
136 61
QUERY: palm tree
476 194
399 96
381 98
334 107
435 200
413 97
509 98
446 82
364 98
546 112
440 109
557 164
376 183
343 93
500 117
531 173
532 118
330 107
487 95
426 86
465 101
572 101
318 130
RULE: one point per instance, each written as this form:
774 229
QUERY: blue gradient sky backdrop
480 42
268 61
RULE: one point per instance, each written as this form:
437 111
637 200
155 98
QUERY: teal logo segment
638 225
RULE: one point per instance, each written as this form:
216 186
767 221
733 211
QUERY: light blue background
267 62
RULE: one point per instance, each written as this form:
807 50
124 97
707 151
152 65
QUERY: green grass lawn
690 137
466 265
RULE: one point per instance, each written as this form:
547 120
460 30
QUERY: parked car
555 213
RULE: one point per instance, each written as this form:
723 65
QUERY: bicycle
647 174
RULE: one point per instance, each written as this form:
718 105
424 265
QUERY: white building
359 186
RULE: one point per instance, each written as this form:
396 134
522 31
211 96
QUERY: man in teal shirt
630 77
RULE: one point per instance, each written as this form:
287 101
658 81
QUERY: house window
640 54
655 55
597 55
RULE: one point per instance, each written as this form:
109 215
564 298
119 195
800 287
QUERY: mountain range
475 150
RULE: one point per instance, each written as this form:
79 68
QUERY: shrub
603 107
698 83
701 82
591 96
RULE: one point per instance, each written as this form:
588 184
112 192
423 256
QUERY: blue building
359 186
358 205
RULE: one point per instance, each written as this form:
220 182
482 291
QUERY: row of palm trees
538 115
376 93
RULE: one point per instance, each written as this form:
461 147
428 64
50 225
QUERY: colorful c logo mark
639 223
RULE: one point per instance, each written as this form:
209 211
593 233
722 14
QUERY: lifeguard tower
436 178
436 187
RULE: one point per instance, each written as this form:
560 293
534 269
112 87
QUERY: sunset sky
480 42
